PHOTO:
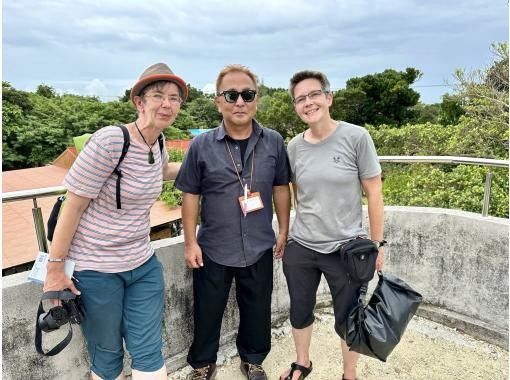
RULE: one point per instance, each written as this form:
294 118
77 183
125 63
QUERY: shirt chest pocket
265 170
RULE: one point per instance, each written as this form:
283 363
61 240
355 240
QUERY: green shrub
171 195
455 187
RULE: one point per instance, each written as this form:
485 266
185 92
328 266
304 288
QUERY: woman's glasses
160 98
231 96
312 95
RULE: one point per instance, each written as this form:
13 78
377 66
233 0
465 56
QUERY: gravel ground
428 351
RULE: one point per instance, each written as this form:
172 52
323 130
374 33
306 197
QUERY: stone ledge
473 327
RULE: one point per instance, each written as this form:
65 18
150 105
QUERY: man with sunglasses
234 173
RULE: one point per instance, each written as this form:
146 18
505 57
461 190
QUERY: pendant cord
235 167
151 154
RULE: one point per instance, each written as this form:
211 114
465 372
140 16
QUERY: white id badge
252 203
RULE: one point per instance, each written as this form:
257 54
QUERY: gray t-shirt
328 176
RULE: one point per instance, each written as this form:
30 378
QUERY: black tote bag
375 329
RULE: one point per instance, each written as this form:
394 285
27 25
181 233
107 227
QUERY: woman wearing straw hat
116 272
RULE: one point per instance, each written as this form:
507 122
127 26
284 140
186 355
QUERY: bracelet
380 243
50 260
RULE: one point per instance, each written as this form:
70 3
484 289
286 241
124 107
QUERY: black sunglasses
231 96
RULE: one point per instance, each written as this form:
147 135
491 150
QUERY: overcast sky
101 47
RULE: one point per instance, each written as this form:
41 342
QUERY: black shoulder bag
359 256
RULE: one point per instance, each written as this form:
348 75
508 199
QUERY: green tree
38 126
425 113
170 194
450 110
413 140
454 187
185 121
126 97
46 91
277 112
12 96
484 96
381 98
193 93
204 112
264 90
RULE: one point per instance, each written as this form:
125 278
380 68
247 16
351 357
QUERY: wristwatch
380 243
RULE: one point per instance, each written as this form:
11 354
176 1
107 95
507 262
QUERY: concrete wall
457 260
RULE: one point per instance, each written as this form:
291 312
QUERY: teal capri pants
126 305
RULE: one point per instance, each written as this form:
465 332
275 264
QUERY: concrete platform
427 351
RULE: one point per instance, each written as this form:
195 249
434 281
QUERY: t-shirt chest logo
337 159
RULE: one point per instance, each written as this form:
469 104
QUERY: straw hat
157 72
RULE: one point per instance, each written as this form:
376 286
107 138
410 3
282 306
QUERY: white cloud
96 88
209 88
114 40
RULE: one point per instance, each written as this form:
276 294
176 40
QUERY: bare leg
95 377
350 362
160 374
302 339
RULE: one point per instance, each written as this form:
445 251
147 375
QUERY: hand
57 280
281 242
379 263
193 256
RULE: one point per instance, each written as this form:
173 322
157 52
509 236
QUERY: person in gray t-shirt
331 163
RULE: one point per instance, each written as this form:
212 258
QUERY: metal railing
455 161
57 190
21 195
446 160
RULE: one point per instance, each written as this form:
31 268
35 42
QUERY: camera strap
63 295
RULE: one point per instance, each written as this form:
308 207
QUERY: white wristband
50 260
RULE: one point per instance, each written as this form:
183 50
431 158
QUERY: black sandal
305 371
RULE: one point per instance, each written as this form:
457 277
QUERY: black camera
70 311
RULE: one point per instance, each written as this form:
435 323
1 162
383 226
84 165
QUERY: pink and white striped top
107 239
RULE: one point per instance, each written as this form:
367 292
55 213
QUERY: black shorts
303 268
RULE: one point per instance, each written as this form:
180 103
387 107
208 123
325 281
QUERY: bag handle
364 287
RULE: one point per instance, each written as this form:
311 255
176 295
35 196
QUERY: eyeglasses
160 98
231 96
312 95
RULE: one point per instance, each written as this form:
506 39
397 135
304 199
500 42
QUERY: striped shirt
107 239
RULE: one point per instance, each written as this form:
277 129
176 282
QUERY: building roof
18 231
33 178
66 158
178 144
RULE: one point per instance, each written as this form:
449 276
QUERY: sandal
305 371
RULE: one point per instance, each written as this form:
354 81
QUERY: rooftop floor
428 351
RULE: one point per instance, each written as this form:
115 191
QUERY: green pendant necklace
150 159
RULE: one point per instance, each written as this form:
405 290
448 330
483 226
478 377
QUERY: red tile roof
178 144
18 231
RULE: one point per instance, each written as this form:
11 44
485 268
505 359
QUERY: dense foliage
473 121
379 98
37 127
477 126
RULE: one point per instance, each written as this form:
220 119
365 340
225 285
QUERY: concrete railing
457 260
